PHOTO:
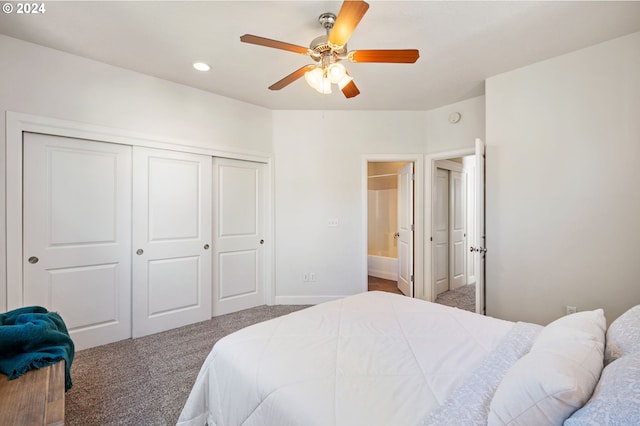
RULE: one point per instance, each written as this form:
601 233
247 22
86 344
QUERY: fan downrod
327 20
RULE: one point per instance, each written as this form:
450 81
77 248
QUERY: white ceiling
461 43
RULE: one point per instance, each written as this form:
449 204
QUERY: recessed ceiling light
201 66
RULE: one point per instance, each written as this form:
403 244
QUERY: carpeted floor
146 381
463 298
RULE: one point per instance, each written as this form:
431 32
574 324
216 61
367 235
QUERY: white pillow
623 335
556 377
616 399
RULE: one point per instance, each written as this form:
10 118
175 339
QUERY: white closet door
457 230
77 234
441 230
238 220
171 239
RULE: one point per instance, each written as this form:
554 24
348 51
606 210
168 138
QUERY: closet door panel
77 234
171 239
239 250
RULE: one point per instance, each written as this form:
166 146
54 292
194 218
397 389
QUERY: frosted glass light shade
314 78
336 73
325 86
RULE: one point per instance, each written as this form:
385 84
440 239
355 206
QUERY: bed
384 359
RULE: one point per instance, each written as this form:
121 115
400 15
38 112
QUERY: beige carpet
463 298
146 381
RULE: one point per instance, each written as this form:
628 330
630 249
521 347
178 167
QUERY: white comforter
370 359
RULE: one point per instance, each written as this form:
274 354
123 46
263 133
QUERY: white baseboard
305 300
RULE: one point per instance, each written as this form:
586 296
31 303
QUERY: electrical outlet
571 310
305 277
312 277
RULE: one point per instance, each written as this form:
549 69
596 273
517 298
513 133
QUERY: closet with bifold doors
116 238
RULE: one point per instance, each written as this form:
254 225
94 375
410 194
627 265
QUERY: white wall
42 81
444 136
318 158
563 200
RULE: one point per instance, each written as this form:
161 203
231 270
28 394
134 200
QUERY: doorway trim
418 219
430 170
18 123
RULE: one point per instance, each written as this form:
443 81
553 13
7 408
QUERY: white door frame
17 123
429 175
418 205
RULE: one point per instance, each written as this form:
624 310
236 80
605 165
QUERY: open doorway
382 225
474 241
392 215
453 206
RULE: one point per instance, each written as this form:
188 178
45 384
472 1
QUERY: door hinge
413 176
412 227
411 277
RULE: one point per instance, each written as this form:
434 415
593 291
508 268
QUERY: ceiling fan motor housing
320 46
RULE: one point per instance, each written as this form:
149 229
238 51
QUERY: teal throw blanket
31 338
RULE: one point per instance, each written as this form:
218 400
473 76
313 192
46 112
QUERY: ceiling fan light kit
328 50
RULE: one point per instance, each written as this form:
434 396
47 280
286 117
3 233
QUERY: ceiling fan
328 50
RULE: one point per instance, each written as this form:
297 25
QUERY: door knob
33 259
261 241
139 252
206 246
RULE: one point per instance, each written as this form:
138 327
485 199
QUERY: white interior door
405 229
238 229
441 230
171 239
77 234
457 230
480 249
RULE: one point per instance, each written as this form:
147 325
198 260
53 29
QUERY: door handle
206 246
261 241
33 260
396 235
139 252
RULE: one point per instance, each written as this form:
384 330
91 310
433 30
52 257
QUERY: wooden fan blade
267 42
403 56
291 77
347 20
350 90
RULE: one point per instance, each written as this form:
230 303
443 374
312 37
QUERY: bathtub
383 267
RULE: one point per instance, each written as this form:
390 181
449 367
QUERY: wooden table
37 398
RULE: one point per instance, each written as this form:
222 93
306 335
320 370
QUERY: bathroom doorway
390 219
